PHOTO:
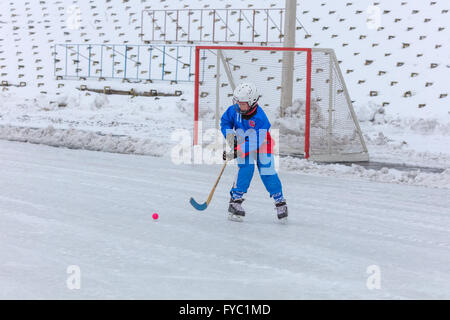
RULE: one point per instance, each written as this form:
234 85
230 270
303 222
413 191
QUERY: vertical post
112 71
150 65
153 28
240 19
113 58
217 89
164 62
203 65
281 26
176 65
66 60
253 27
267 26
287 77
330 105
125 69
78 59
101 62
214 25
190 62
142 25
138 62
197 148
201 24
178 16
54 60
308 102
196 93
89 68
165 25
226 27
189 25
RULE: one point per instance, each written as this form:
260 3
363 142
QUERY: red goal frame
308 83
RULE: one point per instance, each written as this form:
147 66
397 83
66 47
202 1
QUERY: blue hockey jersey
252 131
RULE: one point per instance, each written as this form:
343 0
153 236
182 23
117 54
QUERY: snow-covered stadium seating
395 53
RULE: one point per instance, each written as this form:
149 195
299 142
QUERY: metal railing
125 62
214 25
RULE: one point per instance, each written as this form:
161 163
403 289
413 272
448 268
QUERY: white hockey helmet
246 92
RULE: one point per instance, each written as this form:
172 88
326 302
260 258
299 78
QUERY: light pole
287 77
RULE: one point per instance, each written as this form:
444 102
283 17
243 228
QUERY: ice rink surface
61 207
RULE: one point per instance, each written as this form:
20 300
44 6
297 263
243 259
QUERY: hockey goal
320 124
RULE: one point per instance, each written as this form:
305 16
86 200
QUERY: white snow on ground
61 207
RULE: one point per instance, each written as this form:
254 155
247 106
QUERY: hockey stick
203 206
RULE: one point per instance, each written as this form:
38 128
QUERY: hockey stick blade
203 206
199 207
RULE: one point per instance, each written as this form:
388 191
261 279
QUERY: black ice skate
236 211
282 211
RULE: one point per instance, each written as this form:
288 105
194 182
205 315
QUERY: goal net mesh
334 132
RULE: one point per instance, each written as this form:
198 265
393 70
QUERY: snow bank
416 178
377 115
79 139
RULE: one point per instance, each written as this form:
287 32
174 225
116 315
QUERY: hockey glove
231 140
232 155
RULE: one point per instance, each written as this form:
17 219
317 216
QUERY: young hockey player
246 129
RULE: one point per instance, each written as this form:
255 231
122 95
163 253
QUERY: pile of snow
138 117
79 139
416 178
405 139
426 125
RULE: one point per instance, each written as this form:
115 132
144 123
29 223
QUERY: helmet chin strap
252 109
249 111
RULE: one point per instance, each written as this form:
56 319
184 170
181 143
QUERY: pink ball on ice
155 216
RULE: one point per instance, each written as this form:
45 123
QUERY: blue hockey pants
266 169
